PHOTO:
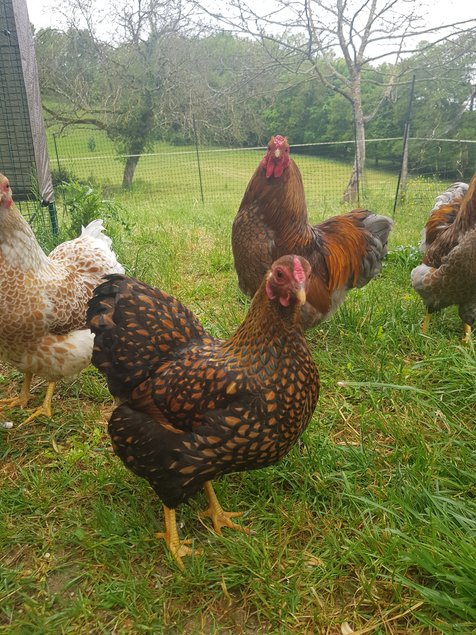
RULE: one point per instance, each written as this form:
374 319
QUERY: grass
167 179
371 521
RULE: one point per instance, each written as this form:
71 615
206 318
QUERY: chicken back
344 251
447 275
194 407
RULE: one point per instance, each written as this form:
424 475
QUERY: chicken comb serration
279 140
298 273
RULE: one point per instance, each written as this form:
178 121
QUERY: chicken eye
279 274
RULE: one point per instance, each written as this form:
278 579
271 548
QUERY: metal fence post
198 159
55 134
53 218
406 133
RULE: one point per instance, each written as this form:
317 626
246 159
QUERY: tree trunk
351 194
129 169
137 143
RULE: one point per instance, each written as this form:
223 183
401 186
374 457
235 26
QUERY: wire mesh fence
16 146
176 176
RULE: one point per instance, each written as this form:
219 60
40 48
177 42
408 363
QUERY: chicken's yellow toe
177 547
220 518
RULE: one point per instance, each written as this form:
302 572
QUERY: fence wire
172 177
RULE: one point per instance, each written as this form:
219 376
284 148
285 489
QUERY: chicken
44 300
193 407
344 251
447 275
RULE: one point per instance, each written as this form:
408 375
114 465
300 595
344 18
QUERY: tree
120 79
307 34
227 91
444 86
151 75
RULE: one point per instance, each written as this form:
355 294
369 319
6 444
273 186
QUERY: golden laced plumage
44 299
194 407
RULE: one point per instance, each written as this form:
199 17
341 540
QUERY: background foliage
178 80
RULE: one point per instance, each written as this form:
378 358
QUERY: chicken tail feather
379 228
136 328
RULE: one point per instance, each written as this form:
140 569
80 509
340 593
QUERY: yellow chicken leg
23 398
177 547
467 334
426 323
45 408
219 517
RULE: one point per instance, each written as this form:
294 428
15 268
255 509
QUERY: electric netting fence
198 175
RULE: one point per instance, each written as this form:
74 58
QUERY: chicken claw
220 518
23 398
177 547
45 408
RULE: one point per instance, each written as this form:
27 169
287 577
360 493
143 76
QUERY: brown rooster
448 273
43 300
344 251
194 407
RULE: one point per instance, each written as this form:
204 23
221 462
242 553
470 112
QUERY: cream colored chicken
43 300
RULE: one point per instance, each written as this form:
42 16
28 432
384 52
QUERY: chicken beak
301 295
277 153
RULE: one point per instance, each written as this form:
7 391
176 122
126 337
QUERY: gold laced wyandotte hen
344 251
43 300
193 407
448 273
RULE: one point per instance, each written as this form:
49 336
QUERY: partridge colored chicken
193 407
448 273
344 251
43 300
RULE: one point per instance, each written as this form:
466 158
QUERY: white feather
94 234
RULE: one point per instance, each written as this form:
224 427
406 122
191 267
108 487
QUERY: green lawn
372 521
167 180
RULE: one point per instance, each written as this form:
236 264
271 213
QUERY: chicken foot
23 398
177 547
426 323
467 329
45 408
467 334
219 517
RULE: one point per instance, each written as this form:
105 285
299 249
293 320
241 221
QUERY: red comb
279 140
299 273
